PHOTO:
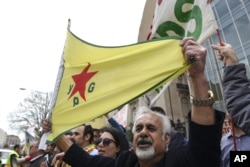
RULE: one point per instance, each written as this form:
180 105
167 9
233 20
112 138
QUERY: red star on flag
81 81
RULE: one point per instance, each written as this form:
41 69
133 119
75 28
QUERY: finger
222 43
189 46
216 47
186 39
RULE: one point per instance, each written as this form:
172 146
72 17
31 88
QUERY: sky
32 36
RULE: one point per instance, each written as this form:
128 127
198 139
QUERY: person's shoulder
245 136
128 153
127 158
13 155
175 133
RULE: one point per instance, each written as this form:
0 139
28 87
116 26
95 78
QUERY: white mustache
144 140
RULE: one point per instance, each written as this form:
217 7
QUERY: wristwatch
203 102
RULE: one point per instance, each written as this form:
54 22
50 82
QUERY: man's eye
151 128
138 129
76 133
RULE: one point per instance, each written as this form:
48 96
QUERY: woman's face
106 145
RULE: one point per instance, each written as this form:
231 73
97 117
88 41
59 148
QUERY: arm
198 85
236 87
114 123
76 156
205 124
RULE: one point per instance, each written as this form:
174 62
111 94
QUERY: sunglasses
105 141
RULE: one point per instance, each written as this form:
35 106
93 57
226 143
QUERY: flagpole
159 94
170 104
69 23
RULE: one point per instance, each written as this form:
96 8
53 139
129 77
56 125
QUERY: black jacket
236 88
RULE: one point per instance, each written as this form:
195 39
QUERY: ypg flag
94 80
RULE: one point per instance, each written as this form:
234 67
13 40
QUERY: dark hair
119 138
16 146
53 145
158 109
89 130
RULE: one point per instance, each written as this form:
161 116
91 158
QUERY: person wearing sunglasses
111 142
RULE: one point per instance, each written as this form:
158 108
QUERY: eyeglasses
105 141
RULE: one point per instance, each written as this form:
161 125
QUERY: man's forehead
147 118
35 143
79 129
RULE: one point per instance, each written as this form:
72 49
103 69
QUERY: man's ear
167 139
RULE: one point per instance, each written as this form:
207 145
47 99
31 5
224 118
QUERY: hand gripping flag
94 80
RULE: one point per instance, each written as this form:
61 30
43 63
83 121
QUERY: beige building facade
3 138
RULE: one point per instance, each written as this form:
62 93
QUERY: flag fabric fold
95 80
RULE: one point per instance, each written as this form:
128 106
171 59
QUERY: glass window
248 58
240 53
230 35
221 8
215 15
247 5
247 50
244 32
244 1
233 3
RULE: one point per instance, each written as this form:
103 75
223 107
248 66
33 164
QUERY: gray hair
166 126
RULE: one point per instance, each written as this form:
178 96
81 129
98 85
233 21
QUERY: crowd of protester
155 141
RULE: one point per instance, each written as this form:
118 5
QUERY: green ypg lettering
76 98
91 87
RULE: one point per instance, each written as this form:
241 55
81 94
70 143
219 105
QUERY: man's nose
144 132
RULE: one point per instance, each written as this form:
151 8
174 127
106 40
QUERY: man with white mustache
151 136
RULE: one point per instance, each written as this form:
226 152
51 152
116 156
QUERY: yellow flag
96 80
